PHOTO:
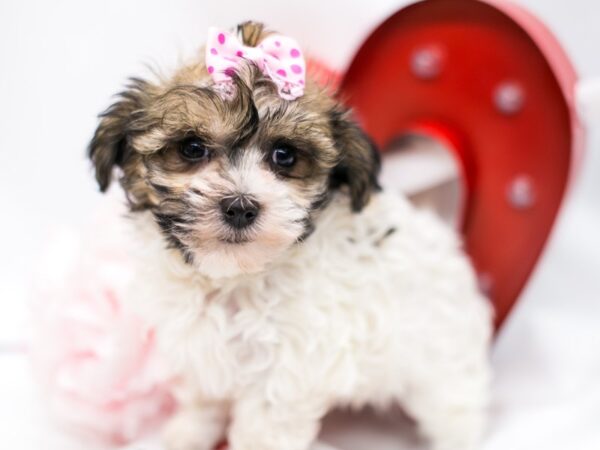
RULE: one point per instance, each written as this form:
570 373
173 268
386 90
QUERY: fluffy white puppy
282 282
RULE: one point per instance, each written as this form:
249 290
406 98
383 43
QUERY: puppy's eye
194 150
283 156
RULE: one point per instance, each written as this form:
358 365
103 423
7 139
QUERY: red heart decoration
492 83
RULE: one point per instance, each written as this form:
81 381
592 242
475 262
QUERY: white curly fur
356 315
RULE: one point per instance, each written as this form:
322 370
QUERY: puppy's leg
198 426
262 425
451 407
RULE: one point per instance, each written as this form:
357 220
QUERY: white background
61 61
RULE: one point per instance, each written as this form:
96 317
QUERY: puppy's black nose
240 211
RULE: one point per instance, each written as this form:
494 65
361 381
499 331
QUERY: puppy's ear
359 163
108 148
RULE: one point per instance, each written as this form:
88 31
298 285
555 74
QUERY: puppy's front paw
187 431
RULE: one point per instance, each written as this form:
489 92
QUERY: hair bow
278 57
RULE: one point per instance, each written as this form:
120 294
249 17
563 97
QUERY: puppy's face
233 181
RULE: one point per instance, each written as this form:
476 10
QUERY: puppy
280 279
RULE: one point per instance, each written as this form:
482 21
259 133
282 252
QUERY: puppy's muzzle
239 211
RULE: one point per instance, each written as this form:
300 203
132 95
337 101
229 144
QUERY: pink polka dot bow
278 57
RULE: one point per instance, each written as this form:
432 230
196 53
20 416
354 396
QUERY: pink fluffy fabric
95 359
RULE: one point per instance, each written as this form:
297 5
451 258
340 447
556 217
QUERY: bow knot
278 57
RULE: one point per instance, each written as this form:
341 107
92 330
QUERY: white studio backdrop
61 61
